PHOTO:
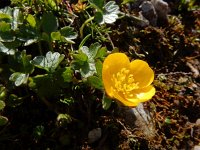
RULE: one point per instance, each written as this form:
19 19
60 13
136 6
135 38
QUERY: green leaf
19 78
7 11
95 82
5 17
14 100
63 76
50 62
38 131
49 22
64 119
99 67
51 4
88 69
91 51
79 60
6 35
45 85
98 4
101 53
110 14
3 93
68 34
56 36
28 34
4 27
127 1
31 20
2 105
106 102
3 120
6 49
67 74
98 17
24 60
17 18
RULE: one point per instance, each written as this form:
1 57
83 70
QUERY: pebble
94 135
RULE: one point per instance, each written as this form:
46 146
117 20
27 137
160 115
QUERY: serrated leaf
91 51
50 62
19 78
49 22
108 14
106 102
88 69
2 105
28 35
68 34
3 120
111 11
95 82
79 60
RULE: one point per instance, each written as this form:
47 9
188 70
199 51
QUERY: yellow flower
128 82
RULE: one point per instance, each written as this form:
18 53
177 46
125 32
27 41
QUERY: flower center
124 81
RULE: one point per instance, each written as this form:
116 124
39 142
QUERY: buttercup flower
128 82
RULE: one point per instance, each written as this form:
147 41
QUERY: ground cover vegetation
99 74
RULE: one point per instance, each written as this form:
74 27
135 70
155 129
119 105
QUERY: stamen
124 82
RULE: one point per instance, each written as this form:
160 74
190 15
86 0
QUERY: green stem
84 24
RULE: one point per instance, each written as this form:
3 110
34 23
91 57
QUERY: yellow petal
142 73
145 94
124 101
115 62
111 65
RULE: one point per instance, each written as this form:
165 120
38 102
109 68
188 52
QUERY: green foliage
107 13
84 61
49 22
66 34
106 102
64 119
48 63
51 59
2 105
3 120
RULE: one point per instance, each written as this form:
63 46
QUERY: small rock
162 10
198 122
94 135
197 147
148 11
